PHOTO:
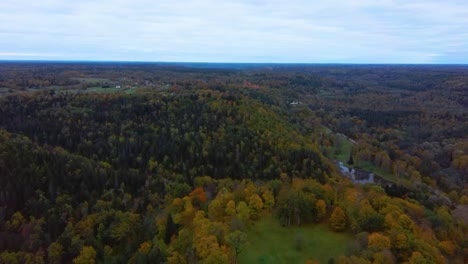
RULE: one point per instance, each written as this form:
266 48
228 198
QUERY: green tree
216 210
237 241
243 211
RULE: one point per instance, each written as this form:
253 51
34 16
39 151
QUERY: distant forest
195 163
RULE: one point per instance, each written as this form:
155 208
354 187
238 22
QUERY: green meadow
269 242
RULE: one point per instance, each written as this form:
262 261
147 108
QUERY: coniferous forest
233 163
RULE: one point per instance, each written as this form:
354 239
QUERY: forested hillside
143 163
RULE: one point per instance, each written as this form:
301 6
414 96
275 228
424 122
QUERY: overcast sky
306 31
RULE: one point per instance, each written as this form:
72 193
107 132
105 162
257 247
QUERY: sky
289 31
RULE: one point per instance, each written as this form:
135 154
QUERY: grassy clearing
100 90
382 173
269 242
344 149
92 80
326 130
105 90
326 94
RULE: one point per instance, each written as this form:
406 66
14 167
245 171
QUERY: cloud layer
359 31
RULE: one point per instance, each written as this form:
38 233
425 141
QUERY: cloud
361 31
27 55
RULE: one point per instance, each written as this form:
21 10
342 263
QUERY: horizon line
227 62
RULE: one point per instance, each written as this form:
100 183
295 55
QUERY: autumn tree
176 258
54 253
268 198
204 245
417 258
230 208
321 209
338 220
378 242
16 221
216 256
216 210
383 257
87 256
243 211
255 205
447 247
198 196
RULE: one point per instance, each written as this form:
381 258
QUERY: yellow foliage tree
230 208
87 256
351 196
216 210
243 211
378 242
54 253
417 258
461 163
321 209
464 200
448 247
249 189
177 205
338 220
255 205
400 242
176 258
204 245
269 199
216 257
145 248
186 216
383 257
16 222
406 222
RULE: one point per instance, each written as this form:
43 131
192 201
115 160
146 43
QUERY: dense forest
199 163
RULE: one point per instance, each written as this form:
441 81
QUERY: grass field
381 172
91 80
110 90
269 242
344 147
103 90
344 151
